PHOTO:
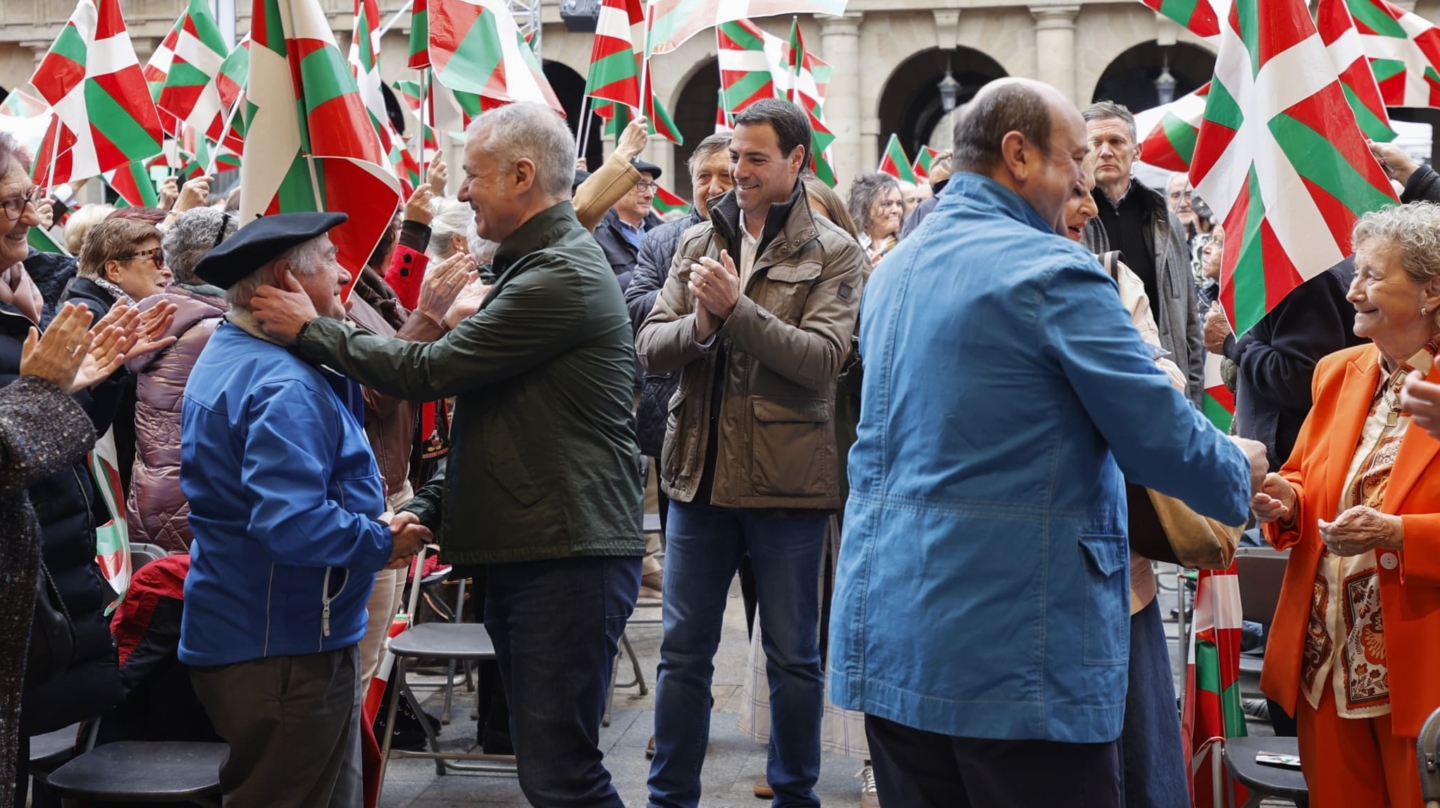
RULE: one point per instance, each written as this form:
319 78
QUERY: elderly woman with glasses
121 258
1352 652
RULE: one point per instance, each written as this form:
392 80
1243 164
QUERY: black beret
644 167
260 242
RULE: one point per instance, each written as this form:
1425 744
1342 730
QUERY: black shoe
408 734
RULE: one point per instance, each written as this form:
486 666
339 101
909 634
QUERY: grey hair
306 258
863 193
718 142
994 113
452 218
1413 229
1105 110
530 131
196 232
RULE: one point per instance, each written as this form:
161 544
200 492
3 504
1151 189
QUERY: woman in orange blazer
1354 651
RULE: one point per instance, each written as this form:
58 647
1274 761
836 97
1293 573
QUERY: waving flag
419 36
27 118
364 59
923 161
1171 144
1404 51
895 162
190 93
133 185
104 115
1347 52
750 61
476 47
672 22
722 118
1213 710
234 74
1280 157
158 67
1199 16
1219 403
668 202
614 74
304 115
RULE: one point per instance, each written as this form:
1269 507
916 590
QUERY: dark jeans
703 553
1153 759
556 627
919 769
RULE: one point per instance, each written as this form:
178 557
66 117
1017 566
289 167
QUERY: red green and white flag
198 156
133 184
1404 51
112 539
190 92
657 118
923 161
1171 144
722 118
104 115
158 67
895 162
751 60
364 59
1342 39
614 73
1213 709
234 73
303 113
476 47
1219 403
807 76
1280 157
27 118
419 36
1201 17
672 22
821 163
667 202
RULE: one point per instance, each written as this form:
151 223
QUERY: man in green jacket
543 484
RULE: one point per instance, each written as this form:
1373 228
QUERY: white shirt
749 246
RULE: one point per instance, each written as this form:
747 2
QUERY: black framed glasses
646 185
15 206
156 254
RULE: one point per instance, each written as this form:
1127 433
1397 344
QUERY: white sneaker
869 797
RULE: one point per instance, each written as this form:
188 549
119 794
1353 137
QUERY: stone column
1055 46
840 46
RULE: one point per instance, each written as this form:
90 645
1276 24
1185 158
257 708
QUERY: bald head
1027 136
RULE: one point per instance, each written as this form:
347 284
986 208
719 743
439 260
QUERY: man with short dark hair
757 315
624 227
981 609
1137 221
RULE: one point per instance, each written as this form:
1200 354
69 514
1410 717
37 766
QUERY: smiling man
756 315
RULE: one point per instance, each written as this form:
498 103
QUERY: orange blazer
1343 387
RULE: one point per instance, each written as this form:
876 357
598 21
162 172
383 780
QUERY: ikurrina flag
1212 692
1199 16
923 161
722 117
304 117
671 22
1171 144
476 47
133 185
1347 53
419 36
104 115
158 67
668 202
1219 403
26 117
751 63
807 78
614 71
1280 158
1404 51
190 93
234 73
895 162
657 118
364 59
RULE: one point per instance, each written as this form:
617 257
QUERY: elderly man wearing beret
542 486
288 511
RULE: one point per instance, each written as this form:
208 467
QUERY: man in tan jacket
757 315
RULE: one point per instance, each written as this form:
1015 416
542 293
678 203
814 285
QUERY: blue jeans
703 551
556 626
1151 753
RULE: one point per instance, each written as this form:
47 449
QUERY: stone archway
910 105
1130 78
569 87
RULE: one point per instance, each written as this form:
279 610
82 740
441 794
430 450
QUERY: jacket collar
990 194
535 234
245 321
791 219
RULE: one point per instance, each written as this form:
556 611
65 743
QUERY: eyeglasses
156 254
646 185
15 206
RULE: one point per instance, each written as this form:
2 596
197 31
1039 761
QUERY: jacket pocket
673 450
786 288
790 448
1107 609
502 458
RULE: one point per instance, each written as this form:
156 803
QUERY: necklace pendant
1392 419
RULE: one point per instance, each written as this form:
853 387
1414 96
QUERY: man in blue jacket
981 609
288 511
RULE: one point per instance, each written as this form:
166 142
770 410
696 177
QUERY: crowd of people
919 423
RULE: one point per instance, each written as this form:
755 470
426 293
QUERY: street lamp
1165 83
949 91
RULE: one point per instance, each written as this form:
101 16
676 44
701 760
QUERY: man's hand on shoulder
409 536
283 310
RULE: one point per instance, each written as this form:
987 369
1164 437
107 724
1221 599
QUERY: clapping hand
444 283
716 287
1360 530
472 294
57 355
409 537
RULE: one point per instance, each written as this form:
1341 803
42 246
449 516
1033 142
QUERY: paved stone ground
731 766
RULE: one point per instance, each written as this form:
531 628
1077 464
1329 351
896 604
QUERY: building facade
888 56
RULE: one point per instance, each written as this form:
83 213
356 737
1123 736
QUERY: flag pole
54 155
229 120
427 110
795 64
582 127
645 61
394 18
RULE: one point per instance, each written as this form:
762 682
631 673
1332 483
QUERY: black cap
644 167
260 242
